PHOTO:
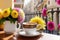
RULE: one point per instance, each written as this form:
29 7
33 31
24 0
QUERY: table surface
4 36
45 36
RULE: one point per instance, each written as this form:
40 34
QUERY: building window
17 0
23 0
34 0
55 0
48 2
45 6
41 0
34 3
34 8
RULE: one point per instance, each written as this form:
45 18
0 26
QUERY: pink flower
20 19
44 12
17 9
50 26
21 16
58 2
58 26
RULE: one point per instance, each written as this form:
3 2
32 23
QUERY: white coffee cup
29 28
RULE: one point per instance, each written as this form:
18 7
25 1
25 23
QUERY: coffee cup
29 28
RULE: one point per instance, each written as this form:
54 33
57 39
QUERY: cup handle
19 28
19 25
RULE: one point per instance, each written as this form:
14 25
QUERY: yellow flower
40 27
39 21
14 14
6 12
1 15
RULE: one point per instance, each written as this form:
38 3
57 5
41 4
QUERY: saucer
22 33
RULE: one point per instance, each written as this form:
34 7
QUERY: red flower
50 25
58 2
58 26
44 12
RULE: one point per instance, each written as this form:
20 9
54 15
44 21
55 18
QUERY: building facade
19 3
53 8
31 6
41 4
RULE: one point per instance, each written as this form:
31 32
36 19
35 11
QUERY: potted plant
11 17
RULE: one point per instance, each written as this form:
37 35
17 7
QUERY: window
55 0
19 1
23 0
34 0
34 8
41 0
48 2
45 6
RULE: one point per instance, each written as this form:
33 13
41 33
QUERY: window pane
48 2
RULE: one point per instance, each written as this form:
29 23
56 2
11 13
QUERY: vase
10 27
1 27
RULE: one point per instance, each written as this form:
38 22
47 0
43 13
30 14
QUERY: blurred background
34 7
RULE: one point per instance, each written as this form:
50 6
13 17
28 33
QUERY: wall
52 4
19 3
5 4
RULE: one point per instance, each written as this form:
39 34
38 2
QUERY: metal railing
29 16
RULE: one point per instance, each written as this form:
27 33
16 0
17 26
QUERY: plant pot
10 27
1 27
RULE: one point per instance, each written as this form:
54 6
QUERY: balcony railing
29 16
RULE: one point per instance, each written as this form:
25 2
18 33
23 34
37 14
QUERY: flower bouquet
11 17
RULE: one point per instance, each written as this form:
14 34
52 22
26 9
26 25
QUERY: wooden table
45 36
4 36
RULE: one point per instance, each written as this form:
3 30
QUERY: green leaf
2 21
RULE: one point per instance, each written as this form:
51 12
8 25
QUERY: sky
26 2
